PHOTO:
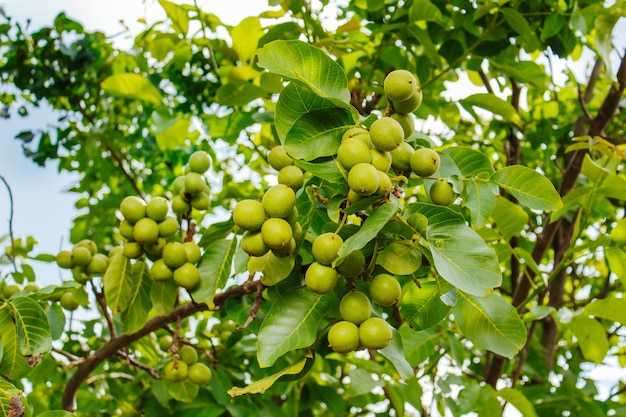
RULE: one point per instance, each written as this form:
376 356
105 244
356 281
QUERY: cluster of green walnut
184 365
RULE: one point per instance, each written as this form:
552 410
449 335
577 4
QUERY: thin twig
11 236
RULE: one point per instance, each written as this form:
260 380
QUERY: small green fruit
193 252
10 289
168 227
89 244
68 301
199 162
180 206
411 104
133 250
64 259
81 256
276 233
355 307
127 230
252 243
375 333
407 122
441 193
249 215
155 249
399 85
291 176
201 201
174 255
194 183
343 337
325 247
146 231
279 201
353 151
320 279
360 133
178 185
133 209
160 272
176 372
98 265
385 186
386 134
352 265
165 342
425 162
187 276
401 157
381 160
385 289
199 374
363 179
32 287
278 158
157 208
286 250
188 354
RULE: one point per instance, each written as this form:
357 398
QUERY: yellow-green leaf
265 383
132 86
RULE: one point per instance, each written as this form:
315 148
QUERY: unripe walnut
399 85
386 134
363 179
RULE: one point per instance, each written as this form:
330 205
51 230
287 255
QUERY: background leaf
493 104
490 323
591 337
133 86
274 268
117 279
265 383
291 324
399 259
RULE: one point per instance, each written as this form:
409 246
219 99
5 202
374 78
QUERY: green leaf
215 268
291 324
307 65
317 133
399 259
131 86
531 189
519 24
527 72
493 104
185 391
8 395
13 365
480 199
510 218
178 15
163 296
229 127
471 163
591 337
264 384
216 231
56 413
424 10
136 315
238 94
326 170
422 307
246 37
419 345
518 400
174 135
490 323
294 102
616 258
394 353
117 279
368 231
273 268
613 309
31 323
461 256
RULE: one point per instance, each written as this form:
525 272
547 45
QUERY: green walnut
425 162
375 333
325 247
386 134
441 193
343 337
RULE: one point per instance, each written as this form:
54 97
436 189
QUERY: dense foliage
512 278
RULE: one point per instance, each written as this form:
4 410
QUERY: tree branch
11 235
115 344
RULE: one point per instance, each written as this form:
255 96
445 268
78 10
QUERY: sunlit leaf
31 323
215 269
531 189
117 279
132 86
510 218
13 365
394 353
265 383
246 37
591 337
493 104
291 324
490 323
398 258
